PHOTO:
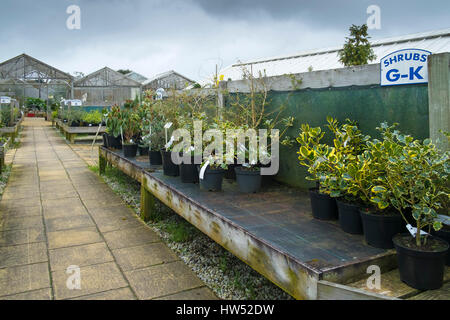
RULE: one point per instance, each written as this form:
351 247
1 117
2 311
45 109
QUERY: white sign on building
408 66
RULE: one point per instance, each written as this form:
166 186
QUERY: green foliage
36 103
114 121
130 125
357 50
93 117
416 177
329 165
5 116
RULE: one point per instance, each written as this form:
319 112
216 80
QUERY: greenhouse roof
25 68
106 77
325 59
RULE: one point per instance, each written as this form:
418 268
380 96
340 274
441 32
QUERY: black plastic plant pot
155 158
444 234
349 217
323 206
130 150
169 168
212 179
380 228
75 124
420 269
105 140
114 142
143 151
189 173
249 181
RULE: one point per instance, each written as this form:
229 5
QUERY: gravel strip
226 275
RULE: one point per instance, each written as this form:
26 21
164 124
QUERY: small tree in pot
113 127
416 179
320 161
130 128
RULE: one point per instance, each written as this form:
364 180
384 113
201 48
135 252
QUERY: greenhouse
106 88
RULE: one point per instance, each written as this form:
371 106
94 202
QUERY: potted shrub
349 142
417 179
211 173
319 159
129 127
113 125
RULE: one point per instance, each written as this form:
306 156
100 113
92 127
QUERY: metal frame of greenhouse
106 87
24 76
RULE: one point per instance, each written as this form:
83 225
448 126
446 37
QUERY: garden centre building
327 58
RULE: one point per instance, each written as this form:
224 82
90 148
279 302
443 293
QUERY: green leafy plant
114 121
130 125
357 50
93 117
35 103
416 178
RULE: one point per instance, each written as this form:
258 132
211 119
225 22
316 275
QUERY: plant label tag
168 144
203 169
168 125
413 230
443 219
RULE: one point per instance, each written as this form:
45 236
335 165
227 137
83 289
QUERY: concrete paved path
55 213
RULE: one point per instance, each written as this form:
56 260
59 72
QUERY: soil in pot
323 206
444 234
155 158
421 267
169 168
248 179
212 179
130 150
349 217
380 228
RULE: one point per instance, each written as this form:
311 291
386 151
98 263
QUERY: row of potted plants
394 189
79 118
150 124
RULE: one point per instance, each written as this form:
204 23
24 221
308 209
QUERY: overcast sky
192 36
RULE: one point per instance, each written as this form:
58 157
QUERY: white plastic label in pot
203 169
168 125
413 230
168 144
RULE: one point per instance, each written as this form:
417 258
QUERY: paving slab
16 237
23 254
24 278
41 294
74 237
162 280
139 257
83 255
130 237
94 279
116 294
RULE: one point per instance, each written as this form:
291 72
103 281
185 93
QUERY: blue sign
408 66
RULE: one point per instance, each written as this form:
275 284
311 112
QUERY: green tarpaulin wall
368 105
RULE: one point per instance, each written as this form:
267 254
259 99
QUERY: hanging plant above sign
408 66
